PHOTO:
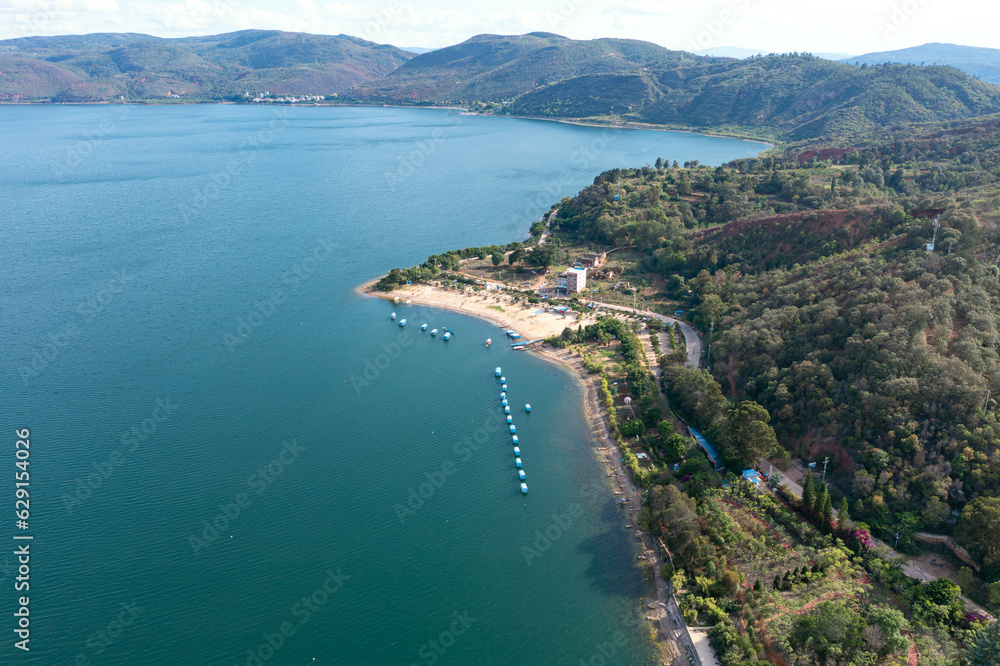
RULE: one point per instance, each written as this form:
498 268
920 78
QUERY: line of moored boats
423 327
513 429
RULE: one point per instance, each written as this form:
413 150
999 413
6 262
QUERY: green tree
993 590
517 255
843 516
819 502
965 578
665 429
986 650
832 630
747 435
497 258
544 255
808 492
979 529
827 513
890 623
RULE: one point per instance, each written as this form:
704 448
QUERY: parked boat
506 409
503 396
447 336
424 327
504 387
402 323
524 488
434 332
517 451
503 403
489 341
496 373
503 380
527 408
520 474
517 463
517 347
513 429
514 439
392 316
510 419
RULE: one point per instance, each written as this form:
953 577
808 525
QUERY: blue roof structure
752 476
713 455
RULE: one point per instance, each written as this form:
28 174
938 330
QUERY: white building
573 281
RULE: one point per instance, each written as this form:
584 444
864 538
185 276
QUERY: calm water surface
228 443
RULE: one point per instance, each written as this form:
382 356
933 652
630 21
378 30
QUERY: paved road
691 339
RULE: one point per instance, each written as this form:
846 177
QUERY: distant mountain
498 67
793 96
741 53
416 49
980 62
107 66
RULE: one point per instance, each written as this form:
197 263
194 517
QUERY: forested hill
980 62
830 312
797 96
788 97
102 67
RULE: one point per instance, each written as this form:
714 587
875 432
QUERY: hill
788 96
106 66
492 68
829 311
982 63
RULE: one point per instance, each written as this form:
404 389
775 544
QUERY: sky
841 26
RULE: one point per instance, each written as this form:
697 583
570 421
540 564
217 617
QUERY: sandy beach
529 319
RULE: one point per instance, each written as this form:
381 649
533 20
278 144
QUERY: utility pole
986 404
711 330
896 543
825 461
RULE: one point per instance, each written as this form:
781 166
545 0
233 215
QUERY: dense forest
831 313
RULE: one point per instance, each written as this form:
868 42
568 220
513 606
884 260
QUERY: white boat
513 429
517 463
506 409
489 341
402 323
434 332
504 387
424 327
510 419
524 488
392 316
496 373
520 474
527 408
447 336
517 451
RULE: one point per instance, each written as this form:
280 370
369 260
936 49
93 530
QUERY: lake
235 458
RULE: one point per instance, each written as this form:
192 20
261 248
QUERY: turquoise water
228 443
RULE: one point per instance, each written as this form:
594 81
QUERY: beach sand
528 319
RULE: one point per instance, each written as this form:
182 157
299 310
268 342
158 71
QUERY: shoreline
603 446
